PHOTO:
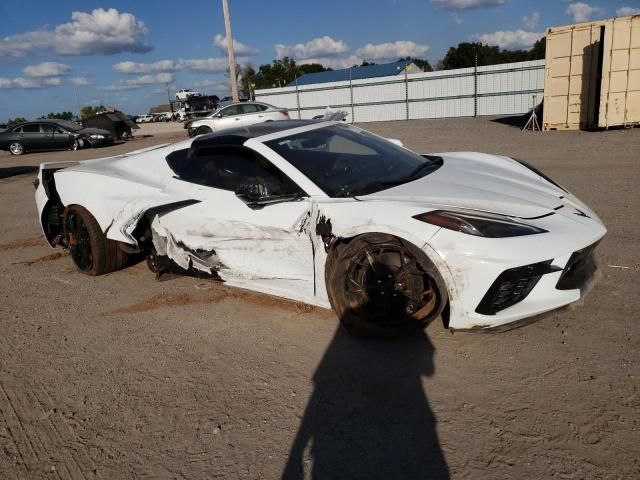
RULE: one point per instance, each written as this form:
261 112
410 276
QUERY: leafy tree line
283 71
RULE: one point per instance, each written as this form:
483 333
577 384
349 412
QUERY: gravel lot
121 377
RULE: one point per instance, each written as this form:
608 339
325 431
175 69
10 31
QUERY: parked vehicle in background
229 100
52 135
186 93
144 119
236 115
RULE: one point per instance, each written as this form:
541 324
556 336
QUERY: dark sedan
52 135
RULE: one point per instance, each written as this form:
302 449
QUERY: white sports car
332 215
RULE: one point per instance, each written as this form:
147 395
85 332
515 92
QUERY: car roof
239 135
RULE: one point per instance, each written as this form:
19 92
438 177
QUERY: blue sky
122 53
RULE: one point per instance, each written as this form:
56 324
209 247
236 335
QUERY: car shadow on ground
368 416
7 172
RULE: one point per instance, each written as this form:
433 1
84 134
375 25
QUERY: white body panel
276 249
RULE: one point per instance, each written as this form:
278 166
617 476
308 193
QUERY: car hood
479 182
91 131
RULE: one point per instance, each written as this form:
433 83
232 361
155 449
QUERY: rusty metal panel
620 93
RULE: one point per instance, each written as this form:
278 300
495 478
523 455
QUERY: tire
16 148
381 286
91 251
75 145
202 130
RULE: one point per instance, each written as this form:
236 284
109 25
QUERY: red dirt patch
27 242
46 258
169 300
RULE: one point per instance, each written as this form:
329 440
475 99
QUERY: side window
249 108
59 130
31 128
230 111
229 167
261 108
47 127
17 130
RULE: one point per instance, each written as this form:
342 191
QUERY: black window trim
231 147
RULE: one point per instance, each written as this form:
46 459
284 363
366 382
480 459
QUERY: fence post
353 114
406 90
475 87
298 99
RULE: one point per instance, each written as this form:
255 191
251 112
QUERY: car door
250 114
228 117
32 138
61 138
267 248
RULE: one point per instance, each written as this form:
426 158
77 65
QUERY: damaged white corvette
329 214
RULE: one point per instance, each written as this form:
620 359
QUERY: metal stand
532 124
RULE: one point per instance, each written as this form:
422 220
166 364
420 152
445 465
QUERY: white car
331 215
145 119
236 115
186 93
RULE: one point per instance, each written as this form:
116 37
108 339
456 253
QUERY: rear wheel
202 130
91 251
16 148
382 286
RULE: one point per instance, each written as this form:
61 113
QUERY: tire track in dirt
41 441
24 243
46 258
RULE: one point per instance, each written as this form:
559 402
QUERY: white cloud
318 47
133 83
508 39
205 64
625 11
581 12
239 49
466 4
138 68
392 50
531 21
28 83
47 69
99 32
80 81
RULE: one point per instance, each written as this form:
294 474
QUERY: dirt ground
125 377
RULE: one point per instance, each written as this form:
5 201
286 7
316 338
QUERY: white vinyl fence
466 92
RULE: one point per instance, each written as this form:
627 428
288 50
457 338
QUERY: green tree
277 74
538 50
61 116
463 55
246 80
423 63
16 121
312 68
89 111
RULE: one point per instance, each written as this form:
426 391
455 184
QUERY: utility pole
169 97
232 61
75 89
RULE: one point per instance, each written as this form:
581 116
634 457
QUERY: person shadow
368 416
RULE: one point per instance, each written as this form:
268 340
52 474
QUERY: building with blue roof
357 73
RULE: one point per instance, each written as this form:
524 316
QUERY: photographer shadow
368 416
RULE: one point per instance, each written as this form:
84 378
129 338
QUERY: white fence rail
466 92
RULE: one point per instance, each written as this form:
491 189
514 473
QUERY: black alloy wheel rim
80 243
386 283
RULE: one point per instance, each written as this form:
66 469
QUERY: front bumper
493 282
191 131
99 142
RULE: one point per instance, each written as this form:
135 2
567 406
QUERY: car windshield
345 161
69 125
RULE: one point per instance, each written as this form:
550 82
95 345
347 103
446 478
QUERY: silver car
236 115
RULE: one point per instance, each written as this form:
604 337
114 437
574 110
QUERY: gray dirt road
123 377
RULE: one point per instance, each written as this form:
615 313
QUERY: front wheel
382 286
16 148
202 130
91 251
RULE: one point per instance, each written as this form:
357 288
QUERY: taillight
285 112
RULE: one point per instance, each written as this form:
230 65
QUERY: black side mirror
252 193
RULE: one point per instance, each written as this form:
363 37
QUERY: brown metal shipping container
592 75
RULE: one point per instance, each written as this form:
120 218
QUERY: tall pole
75 89
169 97
232 60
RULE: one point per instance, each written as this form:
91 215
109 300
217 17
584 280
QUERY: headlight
97 136
479 224
539 173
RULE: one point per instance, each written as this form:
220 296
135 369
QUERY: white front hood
480 182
